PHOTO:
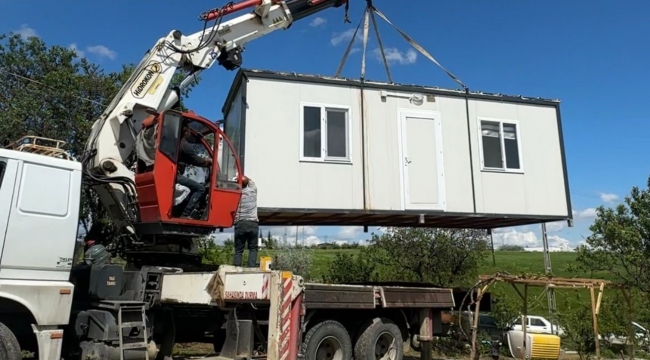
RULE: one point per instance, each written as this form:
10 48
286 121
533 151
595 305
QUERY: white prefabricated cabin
330 151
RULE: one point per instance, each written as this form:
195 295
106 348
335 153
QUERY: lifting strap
370 16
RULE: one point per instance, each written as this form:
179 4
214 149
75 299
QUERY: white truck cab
39 212
538 324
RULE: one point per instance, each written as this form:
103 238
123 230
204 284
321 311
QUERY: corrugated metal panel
323 296
545 346
398 297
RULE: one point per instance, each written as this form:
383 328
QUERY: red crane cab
185 159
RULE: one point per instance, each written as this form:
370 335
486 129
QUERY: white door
8 169
422 160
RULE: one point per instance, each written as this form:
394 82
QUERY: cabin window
170 135
325 133
3 167
500 145
536 322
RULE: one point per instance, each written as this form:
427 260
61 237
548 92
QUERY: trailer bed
336 296
190 288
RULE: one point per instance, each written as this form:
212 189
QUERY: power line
48 87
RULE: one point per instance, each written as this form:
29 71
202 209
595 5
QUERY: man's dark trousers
246 233
196 192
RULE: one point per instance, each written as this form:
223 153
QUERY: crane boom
109 151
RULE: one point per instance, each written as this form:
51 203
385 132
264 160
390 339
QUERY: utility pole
550 292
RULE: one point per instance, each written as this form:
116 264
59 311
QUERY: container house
331 151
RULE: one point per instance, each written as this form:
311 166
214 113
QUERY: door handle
406 161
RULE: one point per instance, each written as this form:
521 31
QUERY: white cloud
79 52
559 242
393 55
349 232
514 237
585 214
555 226
25 31
102 51
290 231
608 197
312 240
338 38
318 22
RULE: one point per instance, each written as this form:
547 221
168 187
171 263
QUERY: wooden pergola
486 281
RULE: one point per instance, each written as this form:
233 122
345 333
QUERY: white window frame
503 169
324 158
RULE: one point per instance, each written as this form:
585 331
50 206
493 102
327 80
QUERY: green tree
49 91
296 259
510 248
444 257
213 254
348 268
620 241
270 242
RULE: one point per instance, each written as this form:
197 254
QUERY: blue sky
593 55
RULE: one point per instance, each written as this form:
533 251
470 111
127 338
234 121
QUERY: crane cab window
196 151
3 167
170 135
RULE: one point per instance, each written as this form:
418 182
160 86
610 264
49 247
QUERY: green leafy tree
270 242
213 254
296 259
619 243
510 248
349 268
445 257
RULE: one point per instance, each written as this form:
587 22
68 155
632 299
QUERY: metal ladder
132 312
41 146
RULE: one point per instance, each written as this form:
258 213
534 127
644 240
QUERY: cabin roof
329 80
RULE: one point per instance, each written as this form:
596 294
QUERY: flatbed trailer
276 315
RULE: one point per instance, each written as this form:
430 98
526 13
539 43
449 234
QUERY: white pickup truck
537 324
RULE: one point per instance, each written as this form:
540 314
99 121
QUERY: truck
96 309
109 312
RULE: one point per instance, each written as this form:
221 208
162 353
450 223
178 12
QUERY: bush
510 248
348 268
298 260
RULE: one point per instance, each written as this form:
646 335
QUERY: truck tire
381 339
327 340
9 346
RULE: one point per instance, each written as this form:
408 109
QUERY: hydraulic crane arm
110 148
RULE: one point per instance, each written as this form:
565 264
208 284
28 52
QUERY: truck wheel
327 340
381 339
9 346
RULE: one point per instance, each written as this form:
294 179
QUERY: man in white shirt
247 224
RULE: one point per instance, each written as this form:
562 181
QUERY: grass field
512 262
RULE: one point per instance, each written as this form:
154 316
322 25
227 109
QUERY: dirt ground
189 351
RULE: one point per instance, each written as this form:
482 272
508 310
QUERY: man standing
246 224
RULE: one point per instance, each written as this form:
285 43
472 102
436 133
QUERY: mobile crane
131 161
132 154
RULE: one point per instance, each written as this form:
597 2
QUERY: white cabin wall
284 181
539 189
271 148
384 162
